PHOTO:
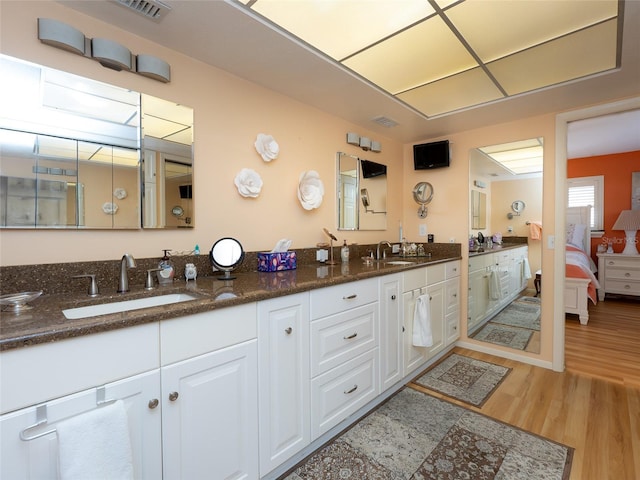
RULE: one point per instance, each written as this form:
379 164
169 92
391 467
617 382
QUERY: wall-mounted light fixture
109 53
364 142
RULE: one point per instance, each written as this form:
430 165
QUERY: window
585 191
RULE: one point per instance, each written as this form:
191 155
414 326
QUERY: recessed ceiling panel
555 62
340 28
453 93
496 29
422 54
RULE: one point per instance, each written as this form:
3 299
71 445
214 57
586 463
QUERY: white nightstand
618 273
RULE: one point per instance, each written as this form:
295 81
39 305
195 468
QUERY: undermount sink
126 305
399 262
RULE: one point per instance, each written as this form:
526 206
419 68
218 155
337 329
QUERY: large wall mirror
504 302
77 153
362 193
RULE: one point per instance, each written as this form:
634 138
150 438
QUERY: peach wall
229 113
617 190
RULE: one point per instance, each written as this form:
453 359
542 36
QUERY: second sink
126 305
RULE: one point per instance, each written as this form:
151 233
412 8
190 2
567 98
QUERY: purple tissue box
276 262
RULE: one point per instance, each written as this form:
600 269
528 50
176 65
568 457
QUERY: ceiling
229 36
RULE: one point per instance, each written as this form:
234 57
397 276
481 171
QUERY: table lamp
629 221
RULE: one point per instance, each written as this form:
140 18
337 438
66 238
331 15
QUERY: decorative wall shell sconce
248 182
267 147
310 190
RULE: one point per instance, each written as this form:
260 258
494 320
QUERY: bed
580 282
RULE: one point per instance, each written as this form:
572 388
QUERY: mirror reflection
362 193
62 135
504 250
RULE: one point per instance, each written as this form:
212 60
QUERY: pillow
575 234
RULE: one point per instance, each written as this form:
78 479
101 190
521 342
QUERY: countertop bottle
344 252
167 270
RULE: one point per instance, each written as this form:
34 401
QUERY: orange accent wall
617 169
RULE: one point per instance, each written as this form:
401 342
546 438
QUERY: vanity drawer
342 391
331 300
480 262
452 269
339 338
436 273
414 279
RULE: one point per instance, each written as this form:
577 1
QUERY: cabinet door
209 415
478 298
38 458
283 346
390 331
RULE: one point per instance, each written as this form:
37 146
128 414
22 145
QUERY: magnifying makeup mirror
364 194
225 255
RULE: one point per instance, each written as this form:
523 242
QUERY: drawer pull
173 396
627 287
393 297
627 274
153 403
349 337
611 262
350 297
288 330
351 390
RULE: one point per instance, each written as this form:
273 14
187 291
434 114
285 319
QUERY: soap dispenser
167 270
344 252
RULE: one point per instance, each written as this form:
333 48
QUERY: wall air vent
385 121
152 9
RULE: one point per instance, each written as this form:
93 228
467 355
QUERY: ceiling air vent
385 122
152 9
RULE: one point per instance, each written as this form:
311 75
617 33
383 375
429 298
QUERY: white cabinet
32 453
390 295
210 415
618 274
209 400
344 352
283 350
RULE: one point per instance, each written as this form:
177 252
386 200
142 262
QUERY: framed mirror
226 255
62 135
503 304
361 193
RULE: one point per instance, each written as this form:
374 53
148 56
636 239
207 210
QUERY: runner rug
466 379
416 436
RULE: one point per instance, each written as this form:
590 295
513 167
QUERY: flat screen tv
372 169
431 155
185 191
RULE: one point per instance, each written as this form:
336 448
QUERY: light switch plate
422 229
551 242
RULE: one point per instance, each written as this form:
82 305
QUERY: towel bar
41 416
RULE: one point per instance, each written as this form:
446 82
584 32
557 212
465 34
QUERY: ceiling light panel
453 93
497 29
420 55
555 62
340 28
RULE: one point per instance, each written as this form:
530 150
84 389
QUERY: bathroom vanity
240 383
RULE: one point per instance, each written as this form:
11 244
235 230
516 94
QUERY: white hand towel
96 445
526 269
422 336
494 285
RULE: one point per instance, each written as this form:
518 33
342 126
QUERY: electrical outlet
551 242
422 230
509 229
452 240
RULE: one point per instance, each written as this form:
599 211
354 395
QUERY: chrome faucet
127 262
383 252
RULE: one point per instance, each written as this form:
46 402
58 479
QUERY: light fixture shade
111 54
628 220
353 138
153 67
60 35
365 143
375 146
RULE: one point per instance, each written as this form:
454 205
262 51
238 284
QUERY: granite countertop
45 322
496 248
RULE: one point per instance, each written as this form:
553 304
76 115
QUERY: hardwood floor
594 406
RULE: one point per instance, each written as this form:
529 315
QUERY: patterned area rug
466 379
505 335
418 437
522 313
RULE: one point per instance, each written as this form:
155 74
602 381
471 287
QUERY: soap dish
17 302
